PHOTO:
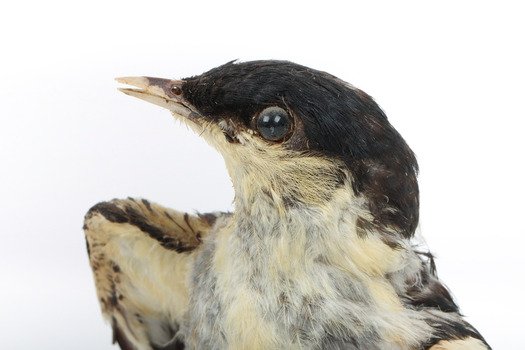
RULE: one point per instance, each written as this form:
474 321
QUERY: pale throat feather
288 254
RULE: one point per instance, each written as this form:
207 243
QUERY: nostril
176 90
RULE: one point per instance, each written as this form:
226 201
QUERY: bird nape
318 253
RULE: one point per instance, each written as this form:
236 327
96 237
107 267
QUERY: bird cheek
297 140
229 129
230 138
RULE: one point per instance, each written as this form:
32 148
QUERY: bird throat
300 263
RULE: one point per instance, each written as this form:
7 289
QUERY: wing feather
140 254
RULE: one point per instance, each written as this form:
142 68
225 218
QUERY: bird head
296 136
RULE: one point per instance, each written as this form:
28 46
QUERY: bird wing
140 254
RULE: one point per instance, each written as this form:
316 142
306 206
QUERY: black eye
274 123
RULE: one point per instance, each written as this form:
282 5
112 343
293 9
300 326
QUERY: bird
320 251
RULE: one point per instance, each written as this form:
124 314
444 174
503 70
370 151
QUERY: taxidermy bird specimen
318 253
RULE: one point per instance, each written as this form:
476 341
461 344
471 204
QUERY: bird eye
274 123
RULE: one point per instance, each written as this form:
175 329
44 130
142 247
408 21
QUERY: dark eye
274 123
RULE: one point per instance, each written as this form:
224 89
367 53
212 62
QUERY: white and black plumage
318 253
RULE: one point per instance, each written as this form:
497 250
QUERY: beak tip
140 82
153 90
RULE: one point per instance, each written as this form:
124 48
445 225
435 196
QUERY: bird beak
162 92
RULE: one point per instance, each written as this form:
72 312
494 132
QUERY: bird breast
299 279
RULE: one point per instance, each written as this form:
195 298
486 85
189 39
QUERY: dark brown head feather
335 119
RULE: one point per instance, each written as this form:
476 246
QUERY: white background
450 76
